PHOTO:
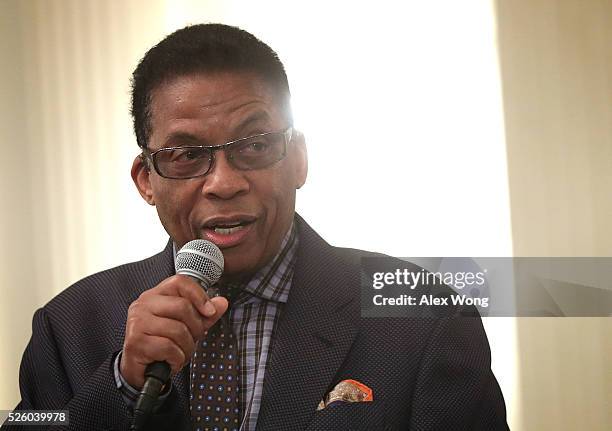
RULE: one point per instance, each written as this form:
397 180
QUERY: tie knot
230 291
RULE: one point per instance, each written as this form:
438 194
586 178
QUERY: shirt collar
272 282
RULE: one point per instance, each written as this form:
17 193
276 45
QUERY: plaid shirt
254 315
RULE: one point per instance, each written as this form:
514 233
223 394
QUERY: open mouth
228 231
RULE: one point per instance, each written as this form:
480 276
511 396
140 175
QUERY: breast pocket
349 416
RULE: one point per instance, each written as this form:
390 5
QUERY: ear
301 158
141 177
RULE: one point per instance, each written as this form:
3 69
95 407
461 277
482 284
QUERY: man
221 161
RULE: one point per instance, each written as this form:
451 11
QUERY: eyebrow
181 139
259 116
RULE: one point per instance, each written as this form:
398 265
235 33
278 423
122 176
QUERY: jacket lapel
314 334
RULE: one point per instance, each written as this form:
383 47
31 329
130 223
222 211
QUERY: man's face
212 109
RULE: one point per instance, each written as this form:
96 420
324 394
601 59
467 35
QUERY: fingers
173 330
181 298
187 288
154 349
169 308
164 323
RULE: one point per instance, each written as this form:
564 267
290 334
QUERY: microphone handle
156 376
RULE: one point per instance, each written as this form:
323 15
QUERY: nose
223 181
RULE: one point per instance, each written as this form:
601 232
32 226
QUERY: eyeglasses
250 153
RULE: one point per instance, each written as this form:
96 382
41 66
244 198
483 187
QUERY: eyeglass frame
148 155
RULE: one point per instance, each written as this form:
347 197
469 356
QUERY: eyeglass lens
255 152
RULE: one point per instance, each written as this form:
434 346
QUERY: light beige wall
16 275
556 62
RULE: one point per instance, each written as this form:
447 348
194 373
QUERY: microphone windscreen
200 259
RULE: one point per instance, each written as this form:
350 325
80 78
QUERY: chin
235 267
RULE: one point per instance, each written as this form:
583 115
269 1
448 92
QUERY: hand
164 324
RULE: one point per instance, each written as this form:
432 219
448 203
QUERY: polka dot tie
215 381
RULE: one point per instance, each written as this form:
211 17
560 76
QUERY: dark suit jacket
426 374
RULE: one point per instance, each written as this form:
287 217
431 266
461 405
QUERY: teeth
227 231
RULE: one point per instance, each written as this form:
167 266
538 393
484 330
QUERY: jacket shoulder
365 259
115 286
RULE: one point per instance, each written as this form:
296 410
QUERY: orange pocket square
347 391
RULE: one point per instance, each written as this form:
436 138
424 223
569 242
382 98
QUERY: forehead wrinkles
210 99
232 113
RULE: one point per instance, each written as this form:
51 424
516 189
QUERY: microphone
203 261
